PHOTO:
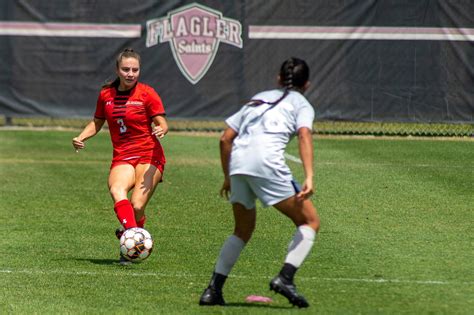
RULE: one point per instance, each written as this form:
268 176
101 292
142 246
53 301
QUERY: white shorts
245 189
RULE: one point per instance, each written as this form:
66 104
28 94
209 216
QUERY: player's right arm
90 130
225 146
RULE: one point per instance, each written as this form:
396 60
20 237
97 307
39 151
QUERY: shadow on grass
97 261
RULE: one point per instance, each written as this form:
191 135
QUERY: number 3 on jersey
121 123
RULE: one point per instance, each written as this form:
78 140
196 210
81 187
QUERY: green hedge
320 127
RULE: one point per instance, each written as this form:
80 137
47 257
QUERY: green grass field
396 237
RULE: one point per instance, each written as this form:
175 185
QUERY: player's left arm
161 126
305 145
157 111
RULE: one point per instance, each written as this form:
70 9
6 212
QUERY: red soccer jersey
129 116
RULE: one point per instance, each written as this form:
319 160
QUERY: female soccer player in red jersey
136 119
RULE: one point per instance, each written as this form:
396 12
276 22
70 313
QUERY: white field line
32 161
293 158
390 165
176 161
181 161
126 272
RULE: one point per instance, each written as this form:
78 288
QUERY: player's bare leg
244 221
147 177
121 181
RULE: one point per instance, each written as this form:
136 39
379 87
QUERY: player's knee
138 206
117 193
311 217
314 223
244 233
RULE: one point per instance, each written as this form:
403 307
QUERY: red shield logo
194 33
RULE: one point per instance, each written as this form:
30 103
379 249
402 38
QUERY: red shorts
156 161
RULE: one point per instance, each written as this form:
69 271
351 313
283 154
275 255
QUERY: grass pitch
396 236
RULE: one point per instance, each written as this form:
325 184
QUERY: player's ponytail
126 53
294 73
286 73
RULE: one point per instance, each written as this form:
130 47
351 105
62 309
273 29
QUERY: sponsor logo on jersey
194 33
134 103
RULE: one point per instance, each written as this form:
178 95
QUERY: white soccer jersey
263 134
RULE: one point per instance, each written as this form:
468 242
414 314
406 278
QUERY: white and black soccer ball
136 244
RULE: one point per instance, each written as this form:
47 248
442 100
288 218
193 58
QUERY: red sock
141 222
125 214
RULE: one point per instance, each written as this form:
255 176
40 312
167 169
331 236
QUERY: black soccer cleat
118 232
289 291
211 296
124 261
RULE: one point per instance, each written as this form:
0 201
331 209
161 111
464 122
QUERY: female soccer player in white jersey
252 155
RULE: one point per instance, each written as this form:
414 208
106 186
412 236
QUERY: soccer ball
136 244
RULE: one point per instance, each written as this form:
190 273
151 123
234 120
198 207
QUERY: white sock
300 245
229 254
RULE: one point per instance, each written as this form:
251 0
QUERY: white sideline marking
293 158
381 280
186 162
184 275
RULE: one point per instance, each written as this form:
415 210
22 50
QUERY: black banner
398 61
